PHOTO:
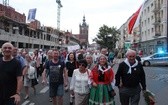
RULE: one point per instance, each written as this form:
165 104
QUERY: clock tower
83 34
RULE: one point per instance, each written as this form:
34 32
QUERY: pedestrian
101 80
111 57
129 76
45 74
95 56
56 80
36 62
71 65
10 77
30 79
79 84
22 61
89 60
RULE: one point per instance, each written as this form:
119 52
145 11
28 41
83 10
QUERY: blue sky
97 12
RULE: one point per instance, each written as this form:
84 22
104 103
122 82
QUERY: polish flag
134 19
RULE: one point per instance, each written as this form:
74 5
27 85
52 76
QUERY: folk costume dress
103 77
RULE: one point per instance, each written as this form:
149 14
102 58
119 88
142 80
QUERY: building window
145 22
152 17
161 14
148 31
145 12
148 20
148 9
151 5
152 30
145 33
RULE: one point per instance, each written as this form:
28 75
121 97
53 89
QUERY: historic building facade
151 34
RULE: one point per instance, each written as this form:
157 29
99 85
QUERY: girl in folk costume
101 80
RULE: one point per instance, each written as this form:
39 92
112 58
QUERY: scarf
100 68
135 64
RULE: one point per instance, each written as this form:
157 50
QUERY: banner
31 15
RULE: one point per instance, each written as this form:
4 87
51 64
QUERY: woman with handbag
29 76
102 82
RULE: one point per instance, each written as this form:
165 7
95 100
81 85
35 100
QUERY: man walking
56 80
10 77
129 76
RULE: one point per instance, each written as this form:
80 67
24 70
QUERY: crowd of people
87 75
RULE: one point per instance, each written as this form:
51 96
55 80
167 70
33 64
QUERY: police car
155 59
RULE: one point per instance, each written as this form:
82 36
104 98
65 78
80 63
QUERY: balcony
157 34
156 8
157 22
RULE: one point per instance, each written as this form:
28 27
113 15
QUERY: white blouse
79 82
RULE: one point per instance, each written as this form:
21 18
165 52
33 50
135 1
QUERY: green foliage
107 37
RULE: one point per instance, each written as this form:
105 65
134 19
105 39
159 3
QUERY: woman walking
79 84
101 80
71 65
29 76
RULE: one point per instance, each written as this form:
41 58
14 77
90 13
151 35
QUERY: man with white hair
130 75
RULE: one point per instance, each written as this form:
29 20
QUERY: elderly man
19 58
10 77
89 60
129 76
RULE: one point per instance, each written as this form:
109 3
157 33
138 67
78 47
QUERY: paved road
157 82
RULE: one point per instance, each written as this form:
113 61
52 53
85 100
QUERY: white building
151 34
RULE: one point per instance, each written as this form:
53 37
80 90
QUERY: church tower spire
84 33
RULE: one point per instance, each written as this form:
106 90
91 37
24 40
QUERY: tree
107 37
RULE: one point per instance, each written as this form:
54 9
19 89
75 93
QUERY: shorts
56 90
26 81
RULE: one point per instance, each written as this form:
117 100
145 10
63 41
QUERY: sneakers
26 97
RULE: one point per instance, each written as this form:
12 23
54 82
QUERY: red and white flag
134 19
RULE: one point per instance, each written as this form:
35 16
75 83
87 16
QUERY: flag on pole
133 20
31 15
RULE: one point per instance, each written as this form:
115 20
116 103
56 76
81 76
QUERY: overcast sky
97 13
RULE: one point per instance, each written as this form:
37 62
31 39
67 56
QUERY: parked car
155 59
